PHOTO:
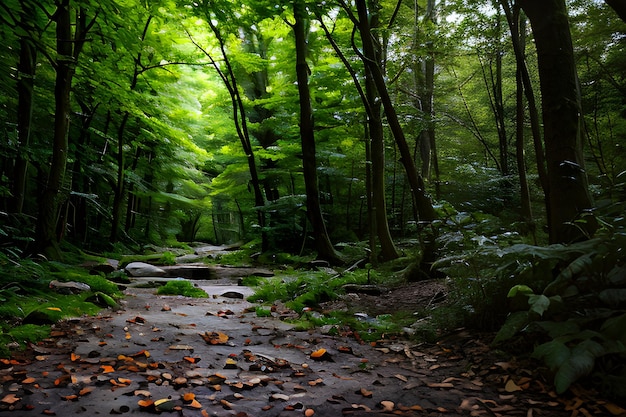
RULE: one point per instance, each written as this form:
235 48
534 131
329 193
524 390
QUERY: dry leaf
29 380
614 409
511 386
10 399
365 393
85 391
320 355
195 404
215 338
107 369
387 406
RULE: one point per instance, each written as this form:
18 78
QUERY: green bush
578 319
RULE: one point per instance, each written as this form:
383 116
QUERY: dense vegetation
461 137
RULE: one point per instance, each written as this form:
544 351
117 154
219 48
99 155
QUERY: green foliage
163 258
578 317
300 289
182 287
263 312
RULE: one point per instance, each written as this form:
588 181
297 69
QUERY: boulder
142 269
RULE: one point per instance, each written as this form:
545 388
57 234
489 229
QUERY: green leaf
559 329
613 297
579 364
539 304
614 327
515 322
554 353
519 289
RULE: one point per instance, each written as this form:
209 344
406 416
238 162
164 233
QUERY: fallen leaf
189 396
614 409
365 393
85 391
107 369
164 404
191 359
74 357
147 403
511 386
215 338
309 412
70 397
387 406
320 355
54 309
10 399
195 404
29 380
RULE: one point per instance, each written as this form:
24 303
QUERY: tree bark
49 200
421 200
569 201
323 244
25 84
619 6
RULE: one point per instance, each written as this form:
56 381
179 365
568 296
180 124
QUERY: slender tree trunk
323 244
421 200
25 84
569 200
533 113
49 203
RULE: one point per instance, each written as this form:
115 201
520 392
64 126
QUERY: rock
142 269
71 287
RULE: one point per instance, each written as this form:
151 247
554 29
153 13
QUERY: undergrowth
182 287
28 305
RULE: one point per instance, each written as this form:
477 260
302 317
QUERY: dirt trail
214 357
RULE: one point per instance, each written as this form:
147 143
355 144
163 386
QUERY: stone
142 269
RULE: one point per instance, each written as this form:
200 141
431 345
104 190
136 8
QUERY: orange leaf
190 396
29 380
74 357
145 403
85 391
10 399
125 381
107 369
205 413
318 354
215 338
191 360
195 404
53 309
70 397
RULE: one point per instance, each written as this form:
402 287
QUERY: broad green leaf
614 327
515 322
559 329
519 289
539 303
554 353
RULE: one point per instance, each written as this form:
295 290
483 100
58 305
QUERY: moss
182 287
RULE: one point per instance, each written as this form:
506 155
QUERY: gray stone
142 269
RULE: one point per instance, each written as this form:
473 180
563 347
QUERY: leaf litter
234 366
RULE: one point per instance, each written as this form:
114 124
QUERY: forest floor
215 357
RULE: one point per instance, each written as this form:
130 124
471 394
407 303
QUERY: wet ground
215 357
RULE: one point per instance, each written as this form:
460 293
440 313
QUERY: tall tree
570 216
422 202
71 36
325 249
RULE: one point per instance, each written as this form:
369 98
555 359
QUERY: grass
182 287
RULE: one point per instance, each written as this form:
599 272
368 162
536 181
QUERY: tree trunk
421 200
569 201
26 69
323 245
49 200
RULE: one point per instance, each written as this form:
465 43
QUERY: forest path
215 357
